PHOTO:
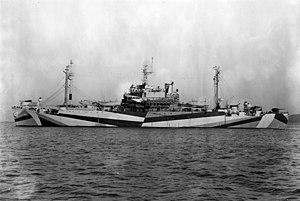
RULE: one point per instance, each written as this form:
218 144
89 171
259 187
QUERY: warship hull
150 119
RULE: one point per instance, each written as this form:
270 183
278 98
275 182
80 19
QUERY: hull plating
150 119
26 117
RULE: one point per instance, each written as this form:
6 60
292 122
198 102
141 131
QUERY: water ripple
148 164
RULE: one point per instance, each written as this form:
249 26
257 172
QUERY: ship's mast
216 86
68 93
147 71
71 83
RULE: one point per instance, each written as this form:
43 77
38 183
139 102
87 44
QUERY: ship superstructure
144 105
144 97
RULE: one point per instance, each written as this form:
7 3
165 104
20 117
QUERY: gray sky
256 43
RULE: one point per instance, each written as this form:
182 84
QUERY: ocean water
148 164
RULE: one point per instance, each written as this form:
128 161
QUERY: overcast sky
256 43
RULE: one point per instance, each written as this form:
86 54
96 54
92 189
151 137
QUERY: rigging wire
54 91
53 96
82 93
58 85
225 83
229 91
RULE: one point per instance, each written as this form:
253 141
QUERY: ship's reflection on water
138 164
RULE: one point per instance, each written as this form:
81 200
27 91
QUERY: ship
144 105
